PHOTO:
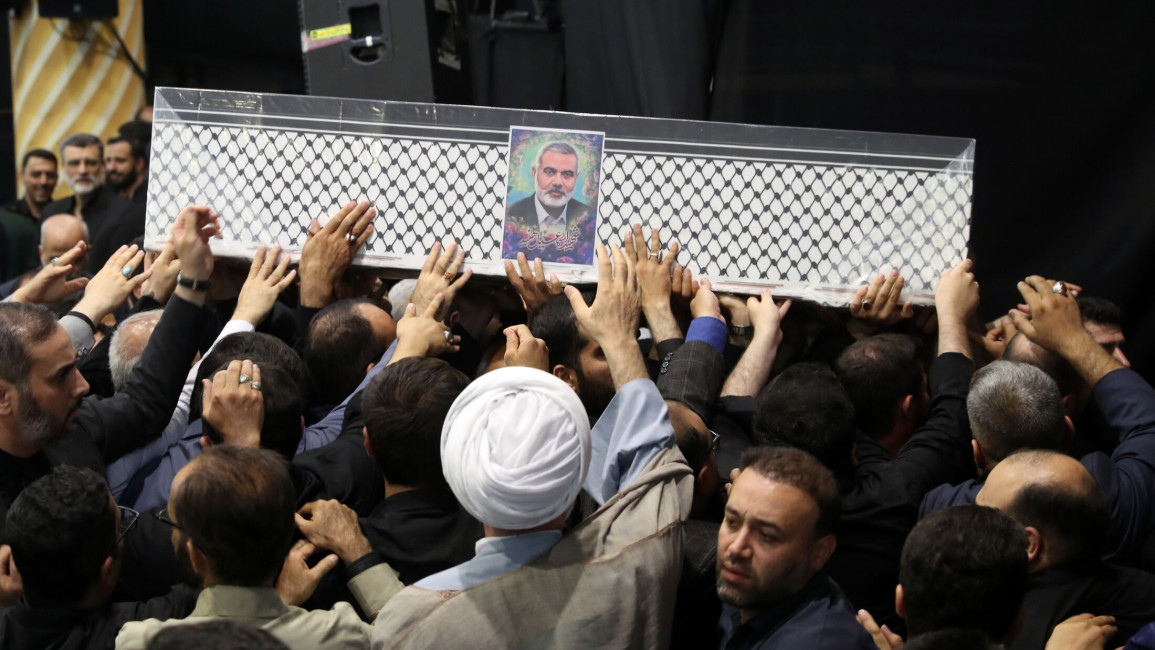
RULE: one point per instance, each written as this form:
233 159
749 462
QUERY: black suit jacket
106 429
525 213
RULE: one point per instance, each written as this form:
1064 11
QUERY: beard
122 181
37 425
85 184
551 201
594 396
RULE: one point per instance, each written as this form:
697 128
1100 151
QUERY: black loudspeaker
368 49
79 9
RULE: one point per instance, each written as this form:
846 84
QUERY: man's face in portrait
39 178
555 178
83 169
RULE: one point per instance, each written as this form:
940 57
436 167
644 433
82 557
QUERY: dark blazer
1128 404
33 628
106 429
817 618
525 213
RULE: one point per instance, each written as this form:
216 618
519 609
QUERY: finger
514 278
676 279
113 261
893 639
688 287
576 301
1041 285
555 286
511 343
431 258
538 269
1022 323
314 228
433 307
859 296
783 308
896 290
272 256
75 285
631 274
321 568
364 219
672 255
303 524
135 261
445 258
873 290
631 241
287 280
256 373
353 215
167 254
303 549
233 373
282 266
365 233
908 310
136 281
73 253
258 261
206 394
1008 328
458 259
307 509
335 221
605 268
461 280
620 266
655 242
868 623
1029 294
523 266
246 369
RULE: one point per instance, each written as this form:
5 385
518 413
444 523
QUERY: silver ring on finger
255 385
244 379
448 337
54 261
1059 288
866 304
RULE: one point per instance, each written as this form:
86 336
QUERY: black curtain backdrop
1060 97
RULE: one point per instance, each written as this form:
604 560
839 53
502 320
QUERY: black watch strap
742 330
189 283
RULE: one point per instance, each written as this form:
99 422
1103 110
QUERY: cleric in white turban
515 449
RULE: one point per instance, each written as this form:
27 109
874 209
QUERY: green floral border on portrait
524 145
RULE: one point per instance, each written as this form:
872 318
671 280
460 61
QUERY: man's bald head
127 345
58 234
1057 496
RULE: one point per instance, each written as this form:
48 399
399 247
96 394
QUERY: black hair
236 504
964 566
877 373
806 407
404 407
951 639
61 528
1100 310
262 349
555 323
338 347
803 471
21 326
281 428
137 147
37 153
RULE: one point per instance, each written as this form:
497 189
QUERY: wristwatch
189 283
741 330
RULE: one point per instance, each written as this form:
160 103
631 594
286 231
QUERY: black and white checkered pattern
808 220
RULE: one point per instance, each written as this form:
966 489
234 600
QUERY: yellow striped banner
72 77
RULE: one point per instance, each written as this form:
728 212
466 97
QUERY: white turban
515 448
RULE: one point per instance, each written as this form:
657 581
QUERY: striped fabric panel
71 77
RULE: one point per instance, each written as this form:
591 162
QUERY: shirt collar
544 220
240 602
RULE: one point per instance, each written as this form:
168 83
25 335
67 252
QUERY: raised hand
612 319
165 267
522 349
1055 324
955 299
194 226
423 335
654 271
329 251
880 302
883 637
1082 632
531 284
51 283
705 302
11 585
766 316
112 284
439 276
267 279
235 408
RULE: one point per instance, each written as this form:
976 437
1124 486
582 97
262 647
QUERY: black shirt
816 618
112 221
34 628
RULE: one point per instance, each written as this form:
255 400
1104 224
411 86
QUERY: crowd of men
199 454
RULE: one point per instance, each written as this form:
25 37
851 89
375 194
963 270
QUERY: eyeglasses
715 440
128 518
164 518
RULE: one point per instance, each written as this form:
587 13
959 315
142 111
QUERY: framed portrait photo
552 195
